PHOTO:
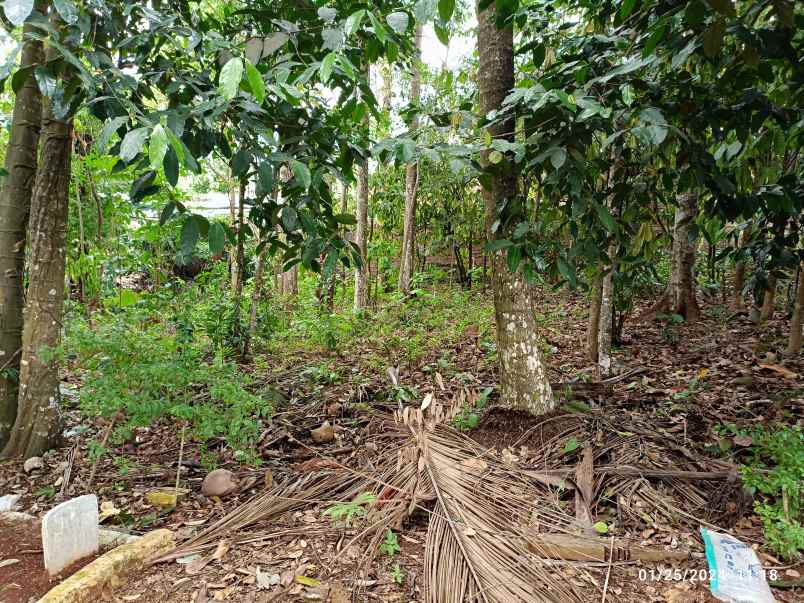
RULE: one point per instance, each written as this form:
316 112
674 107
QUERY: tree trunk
794 343
682 279
768 300
256 295
233 216
523 378
594 319
290 281
361 234
606 319
15 204
739 276
240 262
411 182
37 425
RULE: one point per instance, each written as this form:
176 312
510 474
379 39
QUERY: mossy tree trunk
15 204
523 378
37 425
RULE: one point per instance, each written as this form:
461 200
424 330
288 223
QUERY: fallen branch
576 548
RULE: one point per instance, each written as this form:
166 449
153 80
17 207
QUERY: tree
524 383
37 423
411 180
15 201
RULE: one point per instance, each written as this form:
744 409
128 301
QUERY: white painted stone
9 502
70 532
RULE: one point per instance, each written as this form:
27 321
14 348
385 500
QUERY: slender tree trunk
239 265
256 295
606 319
233 216
794 343
524 383
739 276
594 319
37 425
361 235
411 182
682 280
15 203
769 300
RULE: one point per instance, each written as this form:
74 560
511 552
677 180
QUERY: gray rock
33 463
70 532
9 502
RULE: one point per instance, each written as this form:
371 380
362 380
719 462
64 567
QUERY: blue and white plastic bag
735 573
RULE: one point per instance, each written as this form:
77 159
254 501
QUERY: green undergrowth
774 472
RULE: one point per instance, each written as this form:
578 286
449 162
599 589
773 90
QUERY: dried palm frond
476 547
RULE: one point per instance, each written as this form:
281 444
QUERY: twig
608 572
178 466
102 445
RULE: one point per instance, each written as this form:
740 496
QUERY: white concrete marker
70 532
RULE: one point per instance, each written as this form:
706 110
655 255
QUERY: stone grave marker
70 532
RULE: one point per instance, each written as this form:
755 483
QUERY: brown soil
27 579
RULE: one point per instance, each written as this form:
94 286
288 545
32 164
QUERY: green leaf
627 92
445 9
514 257
325 70
353 22
724 7
18 10
266 178
230 77
67 10
301 173
497 244
424 10
157 146
290 219
46 82
606 218
347 219
171 165
570 445
132 143
216 238
495 157
442 33
558 157
601 527
626 7
109 128
255 82
190 233
398 21
167 211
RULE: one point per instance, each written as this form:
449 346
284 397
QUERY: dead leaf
428 399
7 562
107 510
307 581
743 440
221 550
779 369
323 434
201 596
196 566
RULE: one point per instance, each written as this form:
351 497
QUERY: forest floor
688 398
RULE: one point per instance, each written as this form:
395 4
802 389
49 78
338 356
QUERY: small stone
9 502
70 532
220 482
33 463
323 434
